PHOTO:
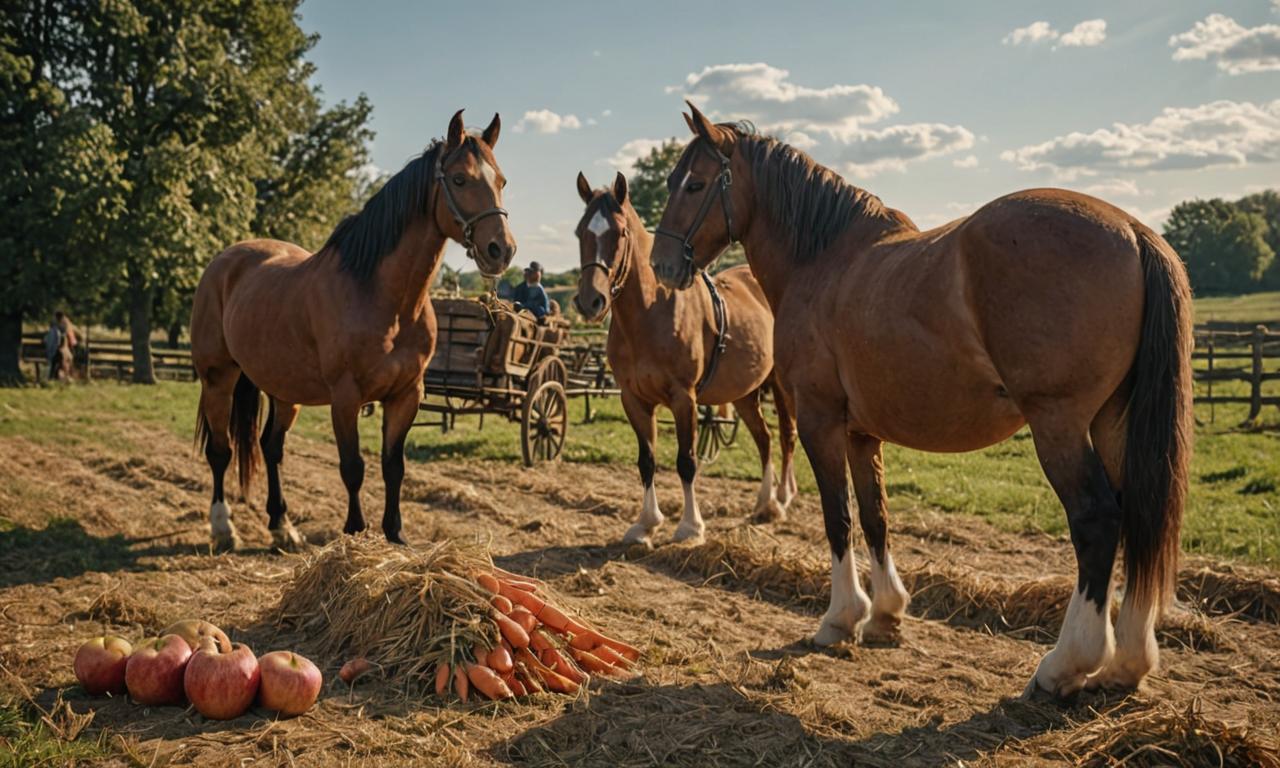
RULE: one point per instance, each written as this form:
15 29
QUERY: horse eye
695 186
459 179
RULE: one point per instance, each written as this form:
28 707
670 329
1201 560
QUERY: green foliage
1267 205
647 186
1224 244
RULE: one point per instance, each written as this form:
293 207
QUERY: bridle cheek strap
467 224
616 277
723 190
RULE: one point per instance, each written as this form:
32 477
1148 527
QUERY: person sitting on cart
530 294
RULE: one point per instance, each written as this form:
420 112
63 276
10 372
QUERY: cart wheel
549 369
714 432
545 418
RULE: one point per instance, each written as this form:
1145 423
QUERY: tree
647 186
1267 205
1224 246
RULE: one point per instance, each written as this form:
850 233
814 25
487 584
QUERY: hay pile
1227 589
404 610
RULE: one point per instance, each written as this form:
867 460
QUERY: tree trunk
11 348
140 333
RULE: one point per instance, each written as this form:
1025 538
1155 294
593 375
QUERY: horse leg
216 390
346 414
280 419
398 413
767 507
1085 643
1137 652
822 433
642 418
685 410
889 598
783 404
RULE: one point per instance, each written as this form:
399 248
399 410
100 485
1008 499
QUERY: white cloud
1086 34
625 158
546 121
609 112
1238 50
949 212
766 96
1115 188
830 122
968 161
1220 133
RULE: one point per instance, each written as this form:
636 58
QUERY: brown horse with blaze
661 348
1044 307
348 325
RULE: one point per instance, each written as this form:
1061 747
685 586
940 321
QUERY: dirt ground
728 677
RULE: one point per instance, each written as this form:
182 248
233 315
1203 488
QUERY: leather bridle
468 224
722 189
618 271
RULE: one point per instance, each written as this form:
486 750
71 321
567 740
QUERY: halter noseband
723 182
467 224
616 278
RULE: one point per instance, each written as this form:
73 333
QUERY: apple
290 683
155 669
100 664
195 630
222 685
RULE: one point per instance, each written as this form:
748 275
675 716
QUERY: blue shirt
533 298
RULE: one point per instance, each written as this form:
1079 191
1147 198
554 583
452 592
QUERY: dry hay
749 559
1226 589
116 608
1166 736
404 610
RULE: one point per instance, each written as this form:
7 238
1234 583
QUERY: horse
1045 308
662 349
348 325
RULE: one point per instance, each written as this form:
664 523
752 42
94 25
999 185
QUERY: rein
722 332
467 224
723 182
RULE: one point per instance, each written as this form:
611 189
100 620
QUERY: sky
936 107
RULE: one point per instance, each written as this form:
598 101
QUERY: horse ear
453 139
490 134
716 136
689 122
620 188
584 189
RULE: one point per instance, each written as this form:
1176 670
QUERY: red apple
155 669
290 683
100 664
195 630
222 685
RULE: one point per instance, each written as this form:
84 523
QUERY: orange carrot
553 680
582 641
524 618
488 581
610 656
442 679
553 617
554 659
592 663
501 603
460 683
500 659
539 641
511 631
353 669
516 686
520 597
487 682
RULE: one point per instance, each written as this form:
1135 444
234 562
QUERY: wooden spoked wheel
548 369
543 423
715 432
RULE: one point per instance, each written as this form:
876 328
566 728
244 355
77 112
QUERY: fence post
1212 410
1255 395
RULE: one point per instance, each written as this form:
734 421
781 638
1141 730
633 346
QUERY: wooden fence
1222 357
99 358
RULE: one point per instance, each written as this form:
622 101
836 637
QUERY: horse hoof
287 539
689 533
883 632
769 512
831 634
227 542
397 539
352 530
637 534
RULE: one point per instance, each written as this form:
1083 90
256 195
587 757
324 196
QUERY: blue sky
935 107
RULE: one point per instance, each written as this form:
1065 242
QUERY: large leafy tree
1223 245
1267 205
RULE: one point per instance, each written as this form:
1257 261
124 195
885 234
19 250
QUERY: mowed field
103 508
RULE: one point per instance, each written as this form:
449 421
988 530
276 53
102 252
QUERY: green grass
27 741
1249 308
1233 507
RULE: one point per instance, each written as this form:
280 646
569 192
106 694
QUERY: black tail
245 405
1160 425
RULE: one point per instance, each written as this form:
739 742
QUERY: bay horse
661 348
1044 307
348 325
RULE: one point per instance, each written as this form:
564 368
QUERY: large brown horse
661 346
348 325
1044 307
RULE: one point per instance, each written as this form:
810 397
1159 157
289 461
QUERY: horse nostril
495 252
597 305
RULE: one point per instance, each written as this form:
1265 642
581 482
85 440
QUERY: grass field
1249 308
1233 508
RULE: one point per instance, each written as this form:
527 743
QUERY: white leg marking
691 525
286 538
223 532
787 486
1085 644
889 599
650 518
849 604
768 508
1137 654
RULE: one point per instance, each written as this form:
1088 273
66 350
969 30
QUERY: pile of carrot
539 647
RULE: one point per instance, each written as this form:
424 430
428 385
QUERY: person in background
57 349
530 294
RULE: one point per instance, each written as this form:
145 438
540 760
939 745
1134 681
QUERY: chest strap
722 331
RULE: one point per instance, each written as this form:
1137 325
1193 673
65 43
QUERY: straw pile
1226 589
